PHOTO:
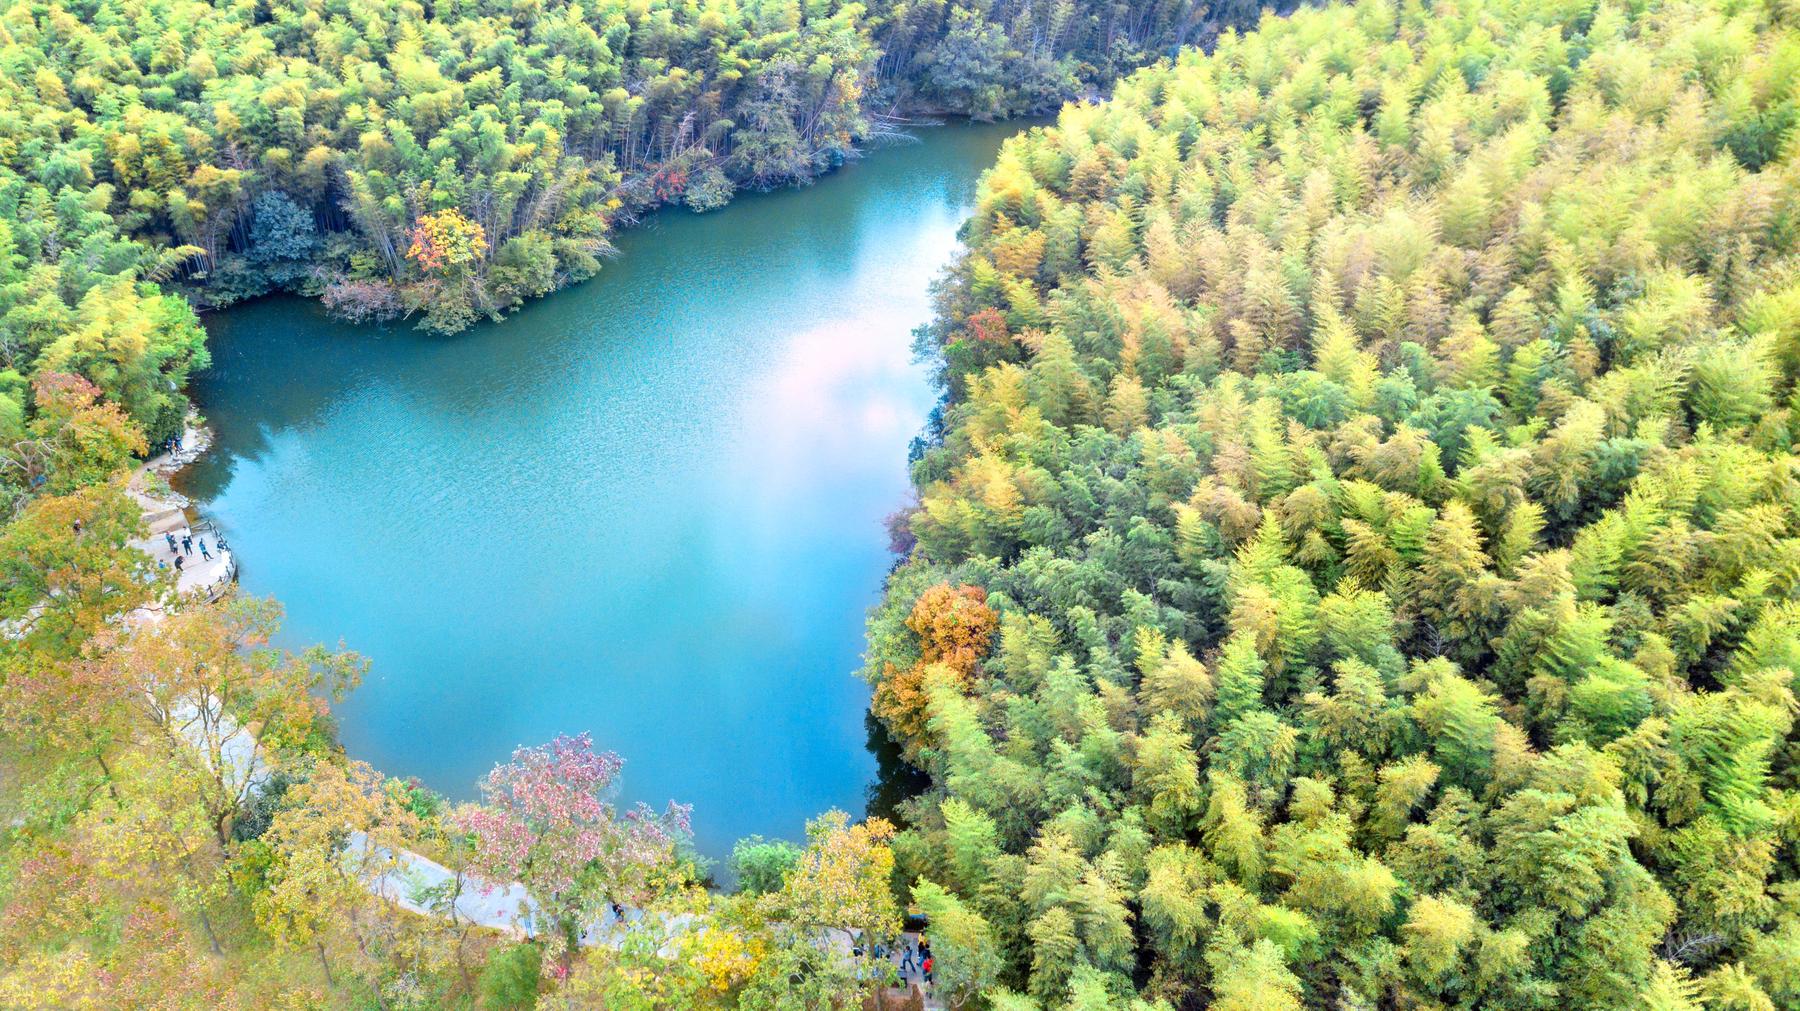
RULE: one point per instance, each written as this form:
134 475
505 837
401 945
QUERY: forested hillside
1008 58
1357 563
451 161
455 159
445 161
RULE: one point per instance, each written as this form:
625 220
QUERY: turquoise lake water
648 507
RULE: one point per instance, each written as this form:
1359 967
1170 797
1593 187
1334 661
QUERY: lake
649 507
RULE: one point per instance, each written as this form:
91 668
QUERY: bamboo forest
1089 506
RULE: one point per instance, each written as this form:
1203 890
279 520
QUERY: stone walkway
420 884
411 880
166 515
914 978
208 567
844 943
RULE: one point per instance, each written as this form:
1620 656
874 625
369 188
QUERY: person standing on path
187 544
177 566
173 547
906 958
203 552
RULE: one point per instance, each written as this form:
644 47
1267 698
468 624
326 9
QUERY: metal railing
216 589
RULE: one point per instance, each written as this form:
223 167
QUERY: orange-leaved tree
445 240
955 627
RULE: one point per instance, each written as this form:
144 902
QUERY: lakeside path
208 566
409 880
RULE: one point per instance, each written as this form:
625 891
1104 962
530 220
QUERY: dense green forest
1356 566
452 160
442 161
1356 562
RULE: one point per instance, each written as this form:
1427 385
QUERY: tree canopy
1373 446
232 147
1356 563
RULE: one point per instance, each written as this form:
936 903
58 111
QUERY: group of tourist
183 549
915 961
915 958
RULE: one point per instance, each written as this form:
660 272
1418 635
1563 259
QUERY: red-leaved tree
547 820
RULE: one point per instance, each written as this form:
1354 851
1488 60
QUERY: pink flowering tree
547 820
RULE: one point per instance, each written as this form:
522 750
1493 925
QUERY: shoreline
405 878
172 518
632 218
